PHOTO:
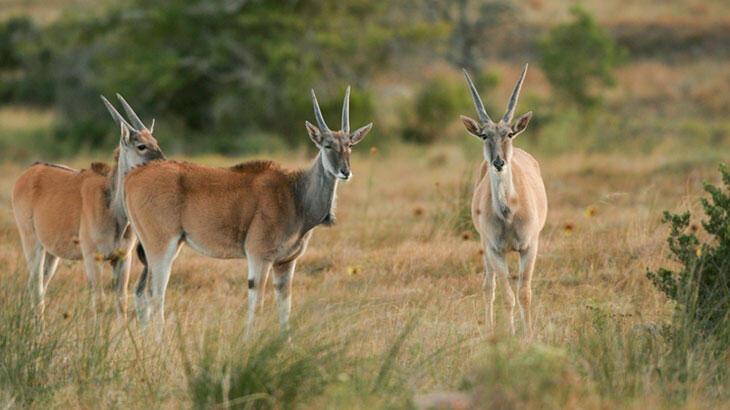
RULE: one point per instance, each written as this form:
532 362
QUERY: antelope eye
141 147
328 146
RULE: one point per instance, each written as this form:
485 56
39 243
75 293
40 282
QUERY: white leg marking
36 258
527 266
489 287
257 270
91 266
120 272
50 265
159 271
283 275
499 263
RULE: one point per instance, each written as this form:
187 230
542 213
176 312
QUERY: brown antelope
255 210
509 206
64 213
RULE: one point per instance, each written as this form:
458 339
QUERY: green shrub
214 68
437 105
578 58
204 68
26 74
701 284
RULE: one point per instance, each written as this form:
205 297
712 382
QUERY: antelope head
137 145
497 136
335 146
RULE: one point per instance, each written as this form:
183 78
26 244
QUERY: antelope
509 206
255 210
64 213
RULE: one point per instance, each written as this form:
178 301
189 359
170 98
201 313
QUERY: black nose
498 163
345 173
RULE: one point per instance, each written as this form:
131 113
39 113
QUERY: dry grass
392 257
557 10
45 11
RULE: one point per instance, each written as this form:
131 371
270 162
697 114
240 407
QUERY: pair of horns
345 113
483 116
138 124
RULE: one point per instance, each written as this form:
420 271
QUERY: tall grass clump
618 358
274 372
516 375
699 285
685 359
454 212
27 351
68 358
270 374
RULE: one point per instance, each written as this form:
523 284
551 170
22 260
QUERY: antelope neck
314 193
503 191
116 190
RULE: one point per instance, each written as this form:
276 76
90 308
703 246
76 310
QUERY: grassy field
388 306
388 303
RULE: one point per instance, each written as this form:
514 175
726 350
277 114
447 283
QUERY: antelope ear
471 126
360 133
521 124
125 137
314 133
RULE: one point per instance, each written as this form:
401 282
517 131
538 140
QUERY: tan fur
248 210
219 212
520 233
255 210
63 213
528 205
509 207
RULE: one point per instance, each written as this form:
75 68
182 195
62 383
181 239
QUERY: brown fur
219 212
63 213
255 210
47 203
101 168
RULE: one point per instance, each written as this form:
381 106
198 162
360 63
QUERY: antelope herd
255 210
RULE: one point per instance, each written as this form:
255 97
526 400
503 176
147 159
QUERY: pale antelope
509 206
64 213
255 210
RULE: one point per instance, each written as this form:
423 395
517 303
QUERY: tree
478 28
219 67
578 58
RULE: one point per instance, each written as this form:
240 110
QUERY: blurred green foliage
25 63
211 70
578 58
437 105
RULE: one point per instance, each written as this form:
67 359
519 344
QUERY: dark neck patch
329 220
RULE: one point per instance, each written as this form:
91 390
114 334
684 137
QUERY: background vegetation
630 101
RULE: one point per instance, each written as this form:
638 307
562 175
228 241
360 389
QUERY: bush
701 284
578 58
437 105
203 68
26 75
